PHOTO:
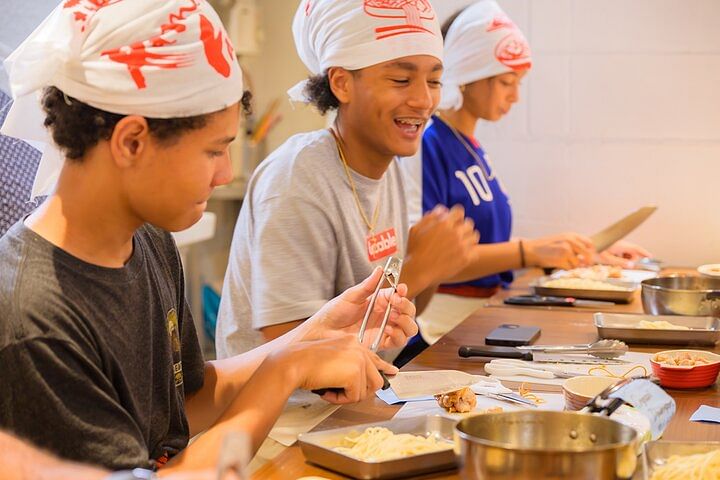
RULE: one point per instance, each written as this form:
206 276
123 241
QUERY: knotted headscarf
481 42
155 58
355 34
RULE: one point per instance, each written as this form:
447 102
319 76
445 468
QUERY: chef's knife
620 229
540 300
488 351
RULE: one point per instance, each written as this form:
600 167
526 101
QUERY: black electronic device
512 335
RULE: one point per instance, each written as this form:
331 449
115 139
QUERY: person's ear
129 140
341 83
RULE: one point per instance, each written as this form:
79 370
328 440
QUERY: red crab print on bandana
412 13
148 53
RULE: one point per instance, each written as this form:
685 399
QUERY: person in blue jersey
486 58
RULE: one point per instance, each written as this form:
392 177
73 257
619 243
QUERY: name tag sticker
382 244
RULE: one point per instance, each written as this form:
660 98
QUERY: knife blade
488 351
510 397
620 229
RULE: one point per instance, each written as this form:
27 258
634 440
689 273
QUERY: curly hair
320 94
76 127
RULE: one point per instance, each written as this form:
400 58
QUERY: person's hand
623 254
566 251
440 245
343 315
340 363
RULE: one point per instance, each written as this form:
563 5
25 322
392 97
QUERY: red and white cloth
155 58
481 42
355 34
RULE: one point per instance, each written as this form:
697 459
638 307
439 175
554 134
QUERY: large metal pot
681 295
532 444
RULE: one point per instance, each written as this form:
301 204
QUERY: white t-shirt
300 239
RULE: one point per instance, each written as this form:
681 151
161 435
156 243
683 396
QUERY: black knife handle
540 300
323 391
493 352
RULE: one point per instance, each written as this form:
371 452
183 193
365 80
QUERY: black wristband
522 254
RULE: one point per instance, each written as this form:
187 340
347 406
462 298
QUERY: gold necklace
470 150
370 225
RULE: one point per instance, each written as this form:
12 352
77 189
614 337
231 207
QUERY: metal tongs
605 349
603 404
391 274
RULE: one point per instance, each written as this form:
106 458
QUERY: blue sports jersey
451 175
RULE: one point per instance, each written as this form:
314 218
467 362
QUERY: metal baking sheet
656 453
625 295
624 326
318 449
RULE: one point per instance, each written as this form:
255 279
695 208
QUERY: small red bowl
697 376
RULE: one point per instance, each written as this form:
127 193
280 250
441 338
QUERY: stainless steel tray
625 295
624 326
656 453
318 449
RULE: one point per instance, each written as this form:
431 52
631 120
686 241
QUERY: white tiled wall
621 109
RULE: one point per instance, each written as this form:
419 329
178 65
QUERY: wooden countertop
558 325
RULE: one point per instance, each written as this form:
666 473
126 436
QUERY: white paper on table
411 385
553 401
633 359
303 412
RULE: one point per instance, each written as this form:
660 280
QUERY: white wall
621 109
277 68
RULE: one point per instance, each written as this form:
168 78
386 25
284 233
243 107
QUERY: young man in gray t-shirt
98 356
328 206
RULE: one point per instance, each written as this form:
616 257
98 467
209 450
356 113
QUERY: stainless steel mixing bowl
681 295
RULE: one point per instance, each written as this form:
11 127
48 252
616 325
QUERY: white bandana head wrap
155 58
355 34
481 42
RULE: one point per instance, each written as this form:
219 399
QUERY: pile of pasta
596 272
581 284
377 444
702 466
661 325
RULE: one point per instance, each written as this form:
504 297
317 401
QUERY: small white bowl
710 270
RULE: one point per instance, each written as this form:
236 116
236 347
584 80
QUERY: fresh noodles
661 325
525 392
377 444
605 372
581 283
702 466
596 272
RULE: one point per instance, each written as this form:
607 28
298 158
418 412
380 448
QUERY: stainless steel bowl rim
648 284
507 446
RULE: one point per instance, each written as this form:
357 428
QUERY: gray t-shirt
95 362
300 239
